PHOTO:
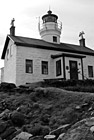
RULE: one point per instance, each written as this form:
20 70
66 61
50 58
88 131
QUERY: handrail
58 25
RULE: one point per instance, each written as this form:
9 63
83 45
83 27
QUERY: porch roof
67 55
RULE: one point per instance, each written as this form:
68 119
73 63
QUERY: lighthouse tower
50 28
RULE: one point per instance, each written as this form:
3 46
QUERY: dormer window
54 39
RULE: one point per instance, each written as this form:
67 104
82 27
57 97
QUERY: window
44 65
54 39
29 66
90 71
58 67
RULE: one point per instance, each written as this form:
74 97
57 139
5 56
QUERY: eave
5 48
67 55
53 48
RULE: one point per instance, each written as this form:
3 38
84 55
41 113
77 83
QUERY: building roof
38 43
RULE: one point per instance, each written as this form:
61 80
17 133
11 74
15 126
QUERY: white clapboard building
28 60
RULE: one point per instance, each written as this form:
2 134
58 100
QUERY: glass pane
44 67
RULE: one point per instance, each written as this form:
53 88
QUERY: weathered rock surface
81 130
23 136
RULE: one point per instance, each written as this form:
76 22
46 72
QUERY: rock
85 106
92 113
80 130
78 107
37 129
92 129
23 136
3 126
61 129
37 138
24 109
17 118
14 134
49 137
61 136
9 131
5 113
90 122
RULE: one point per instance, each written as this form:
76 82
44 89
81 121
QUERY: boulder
3 126
37 129
9 131
17 118
5 113
83 129
61 136
59 130
23 136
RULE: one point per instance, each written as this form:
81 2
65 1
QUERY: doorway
73 70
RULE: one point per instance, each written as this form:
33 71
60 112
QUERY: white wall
2 74
37 55
10 64
89 60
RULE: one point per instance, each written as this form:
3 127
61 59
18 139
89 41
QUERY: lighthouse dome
49 17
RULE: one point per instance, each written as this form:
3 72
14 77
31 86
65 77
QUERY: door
73 70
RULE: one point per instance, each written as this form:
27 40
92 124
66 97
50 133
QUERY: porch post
64 73
82 69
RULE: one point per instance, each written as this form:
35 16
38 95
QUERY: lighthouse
50 28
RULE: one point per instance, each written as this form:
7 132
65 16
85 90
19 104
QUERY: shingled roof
38 43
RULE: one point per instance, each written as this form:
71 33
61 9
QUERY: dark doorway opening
73 70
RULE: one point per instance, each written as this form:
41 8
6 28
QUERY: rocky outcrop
83 129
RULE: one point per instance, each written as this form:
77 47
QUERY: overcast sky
76 16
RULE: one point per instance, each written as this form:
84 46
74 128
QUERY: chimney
82 42
12 28
82 39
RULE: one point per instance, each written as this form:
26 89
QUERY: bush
80 88
7 86
69 83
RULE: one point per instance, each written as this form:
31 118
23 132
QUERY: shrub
80 88
69 83
7 86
